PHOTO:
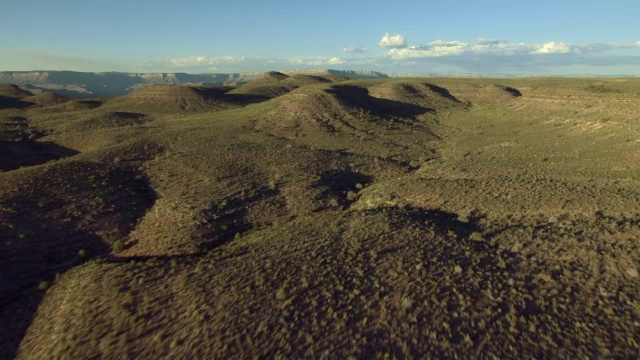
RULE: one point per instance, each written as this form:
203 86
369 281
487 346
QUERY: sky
463 36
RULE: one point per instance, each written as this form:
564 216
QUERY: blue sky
488 37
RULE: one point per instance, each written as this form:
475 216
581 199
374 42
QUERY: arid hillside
314 216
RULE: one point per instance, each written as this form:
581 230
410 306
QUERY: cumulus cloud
445 44
317 60
486 56
489 47
501 48
353 49
601 47
393 41
553 47
489 42
559 64
199 64
436 48
205 61
225 64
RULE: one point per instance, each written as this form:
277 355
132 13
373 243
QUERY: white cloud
353 49
202 64
426 52
438 48
317 60
501 48
487 56
601 47
482 56
553 47
204 61
393 41
487 47
443 44
485 41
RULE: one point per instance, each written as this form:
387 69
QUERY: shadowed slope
12 96
13 91
19 146
14 155
50 213
53 218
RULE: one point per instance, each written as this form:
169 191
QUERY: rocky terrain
317 216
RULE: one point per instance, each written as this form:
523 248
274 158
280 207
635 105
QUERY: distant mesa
350 74
91 85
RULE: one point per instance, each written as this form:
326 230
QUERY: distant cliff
88 84
353 74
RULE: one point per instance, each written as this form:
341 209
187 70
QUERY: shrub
118 246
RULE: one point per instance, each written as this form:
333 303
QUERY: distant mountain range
90 84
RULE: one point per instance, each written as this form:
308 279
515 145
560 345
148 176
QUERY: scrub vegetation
322 217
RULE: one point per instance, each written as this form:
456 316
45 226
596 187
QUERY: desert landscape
321 216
